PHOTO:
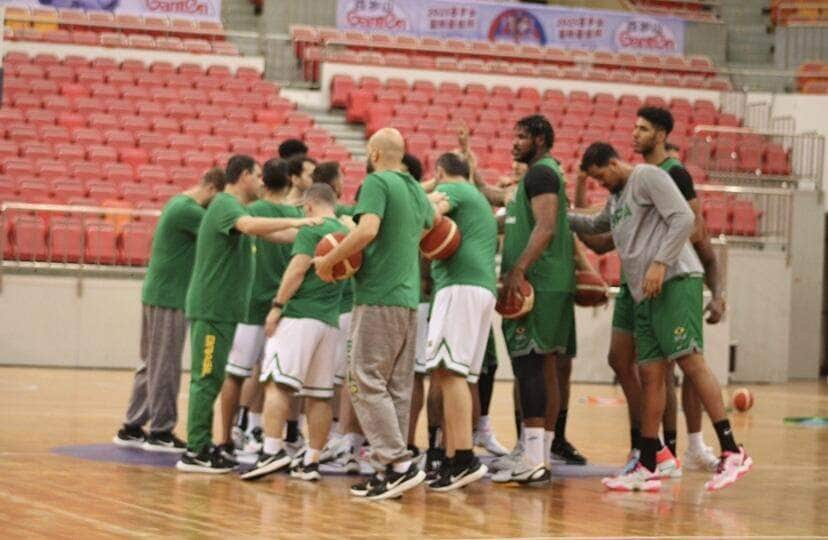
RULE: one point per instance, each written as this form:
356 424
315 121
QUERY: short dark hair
238 165
538 126
598 154
453 164
321 193
414 166
670 147
659 117
292 147
215 177
275 174
326 173
297 163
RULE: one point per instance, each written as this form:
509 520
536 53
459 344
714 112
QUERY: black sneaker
164 441
306 472
435 476
267 464
564 451
205 462
434 461
364 488
228 452
130 437
459 476
395 484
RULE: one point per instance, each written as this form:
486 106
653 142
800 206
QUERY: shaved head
386 149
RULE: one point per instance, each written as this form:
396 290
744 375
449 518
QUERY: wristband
277 305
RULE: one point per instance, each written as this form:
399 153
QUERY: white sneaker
485 438
529 473
667 466
701 459
507 462
348 462
632 461
239 437
640 479
732 466
334 448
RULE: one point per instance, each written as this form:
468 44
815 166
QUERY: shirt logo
620 214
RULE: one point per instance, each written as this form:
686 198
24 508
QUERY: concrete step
351 136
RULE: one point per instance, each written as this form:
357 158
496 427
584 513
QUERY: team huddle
279 330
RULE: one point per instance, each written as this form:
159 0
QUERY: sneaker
732 466
667 466
308 472
508 462
502 477
640 479
435 457
239 437
563 450
458 477
228 452
267 464
130 437
296 446
206 462
632 461
529 474
435 475
366 486
395 484
349 463
701 459
164 442
298 458
254 441
334 449
485 439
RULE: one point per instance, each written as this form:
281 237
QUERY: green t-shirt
346 304
390 273
344 210
554 271
315 299
271 260
173 254
474 261
224 265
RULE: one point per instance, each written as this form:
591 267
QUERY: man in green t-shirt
163 324
218 298
391 215
302 329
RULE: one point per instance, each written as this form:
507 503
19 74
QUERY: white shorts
302 355
422 338
342 348
458 331
248 343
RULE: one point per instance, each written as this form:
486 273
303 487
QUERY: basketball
517 306
742 399
343 269
590 289
442 241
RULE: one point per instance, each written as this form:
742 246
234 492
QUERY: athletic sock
254 420
670 440
635 438
649 449
560 425
695 441
518 423
415 451
402 466
485 388
434 436
548 438
534 441
725 434
272 445
292 431
311 456
484 423
463 458
242 418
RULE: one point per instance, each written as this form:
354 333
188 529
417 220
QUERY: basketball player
392 213
651 224
292 147
218 299
163 324
303 336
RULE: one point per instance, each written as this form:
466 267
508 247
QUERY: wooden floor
46 495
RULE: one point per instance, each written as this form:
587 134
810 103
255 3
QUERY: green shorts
623 311
548 328
669 326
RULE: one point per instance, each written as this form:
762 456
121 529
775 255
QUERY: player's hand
715 309
324 268
654 279
512 282
272 321
301 222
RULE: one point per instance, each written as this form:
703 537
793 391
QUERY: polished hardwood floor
47 495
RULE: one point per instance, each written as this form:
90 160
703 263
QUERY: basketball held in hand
442 241
343 269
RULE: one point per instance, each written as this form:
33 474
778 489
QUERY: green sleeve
451 196
191 218
428 211
372 197
229 215
345 210
305 243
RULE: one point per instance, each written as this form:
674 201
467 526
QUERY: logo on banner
192 7
644 34
376 15
517 26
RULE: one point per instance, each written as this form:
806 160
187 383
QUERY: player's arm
581 260
287 236
581 190
292 279
495 195
441 203
262 226
590 225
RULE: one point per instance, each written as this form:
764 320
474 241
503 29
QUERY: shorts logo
352 387
209 349
520 330
679 333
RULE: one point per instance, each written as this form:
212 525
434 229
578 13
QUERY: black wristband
277 305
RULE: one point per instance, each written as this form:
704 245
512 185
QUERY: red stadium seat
101 246
119 173
716 217
29 236
745 218
65 239
134 244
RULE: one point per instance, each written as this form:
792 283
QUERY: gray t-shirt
650 221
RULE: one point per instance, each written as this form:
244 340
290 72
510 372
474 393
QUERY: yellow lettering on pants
209 348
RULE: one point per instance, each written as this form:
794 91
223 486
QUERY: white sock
402 466
548 437
272 445
534 445
484 423
695 441
311 456
334 432
355 440
254 420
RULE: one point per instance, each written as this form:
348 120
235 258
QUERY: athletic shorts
461 321
669 326
248 344
302 355
342 347
623 311
548 328
422 339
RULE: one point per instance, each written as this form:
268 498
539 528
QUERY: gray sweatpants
155 388
381 377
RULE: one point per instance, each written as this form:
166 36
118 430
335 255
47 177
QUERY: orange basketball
517 306
742 399
442 241
343 269
590 289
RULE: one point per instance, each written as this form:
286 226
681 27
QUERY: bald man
391 215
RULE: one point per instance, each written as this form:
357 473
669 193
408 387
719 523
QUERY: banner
570 28
184 9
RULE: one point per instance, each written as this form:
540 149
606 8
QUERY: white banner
194 9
